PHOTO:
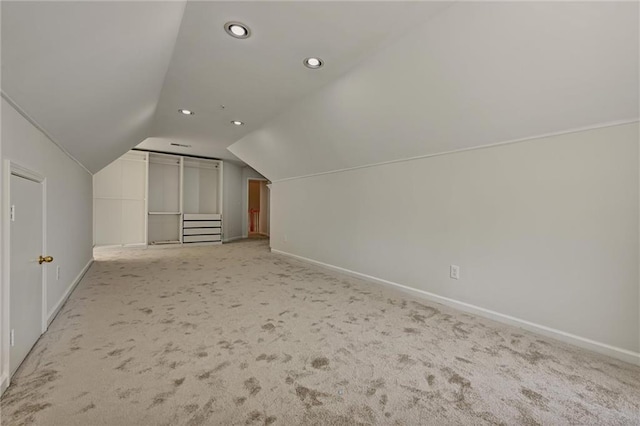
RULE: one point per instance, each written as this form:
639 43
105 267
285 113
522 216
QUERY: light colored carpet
236 335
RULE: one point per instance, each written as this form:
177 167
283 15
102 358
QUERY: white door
25 291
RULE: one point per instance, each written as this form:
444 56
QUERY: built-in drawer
201 238
202 224
202 231
198 216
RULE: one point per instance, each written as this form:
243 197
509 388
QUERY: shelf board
119 199
174 213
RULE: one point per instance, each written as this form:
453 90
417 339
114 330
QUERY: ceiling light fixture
186 111
180 145
313 63
237 30
237 123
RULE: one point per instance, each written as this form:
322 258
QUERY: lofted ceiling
101 77
257 78
476 74
88 73
401 79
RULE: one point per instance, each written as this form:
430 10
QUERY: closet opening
258 211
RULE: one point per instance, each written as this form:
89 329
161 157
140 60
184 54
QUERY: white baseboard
4 383
63 299
119 246
135 245
228 240
603 348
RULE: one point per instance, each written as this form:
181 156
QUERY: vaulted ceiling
476 74
257 78
102 77
401 79
89 73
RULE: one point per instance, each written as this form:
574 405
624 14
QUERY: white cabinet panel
135 155
107 183
211 216
202 224
108 221
202 231
119 201
202 238
133 222
133 179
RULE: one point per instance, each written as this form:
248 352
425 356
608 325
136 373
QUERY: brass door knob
47 259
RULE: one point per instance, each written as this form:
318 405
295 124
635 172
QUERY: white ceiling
401 79
89 73
258 77
101 77
476 74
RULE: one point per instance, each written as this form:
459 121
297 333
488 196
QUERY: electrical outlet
57 273
454 272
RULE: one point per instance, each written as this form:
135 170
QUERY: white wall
69 202
232 204
545 230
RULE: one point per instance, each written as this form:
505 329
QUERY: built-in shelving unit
202 228
202 198
170 199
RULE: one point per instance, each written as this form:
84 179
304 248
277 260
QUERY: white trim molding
602 348
53 312
472 148
246 218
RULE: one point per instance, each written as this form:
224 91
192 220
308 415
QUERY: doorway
24 279
258 208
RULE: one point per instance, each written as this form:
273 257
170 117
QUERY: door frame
13 168
246 210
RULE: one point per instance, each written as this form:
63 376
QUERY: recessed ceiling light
237 123
237 30
186 111
313 63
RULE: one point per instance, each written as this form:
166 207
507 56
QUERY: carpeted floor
236 335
